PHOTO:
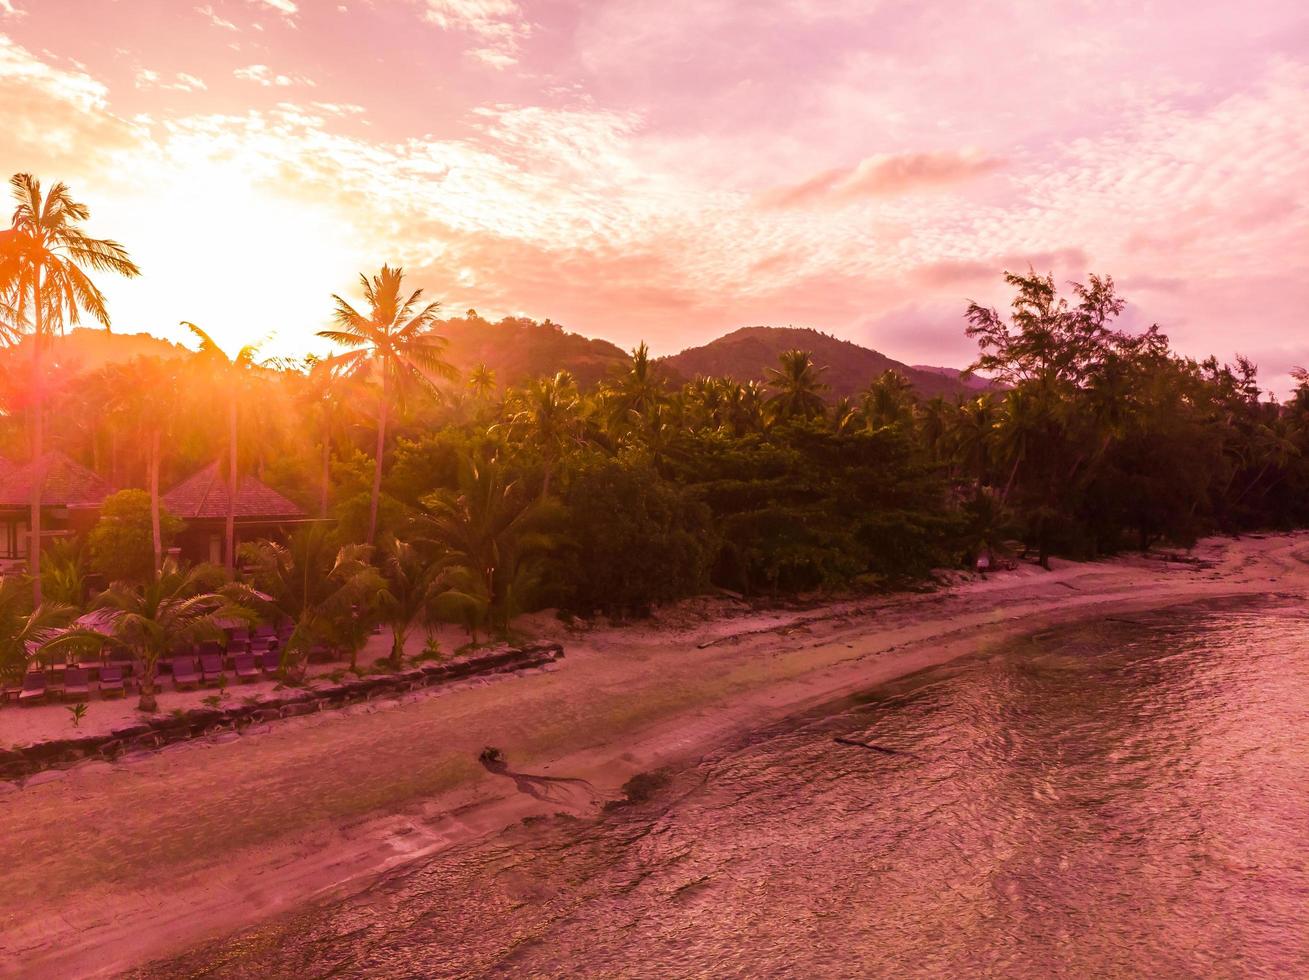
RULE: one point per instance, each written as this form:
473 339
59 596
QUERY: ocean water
1122 798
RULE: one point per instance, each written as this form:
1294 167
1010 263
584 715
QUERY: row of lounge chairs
209 668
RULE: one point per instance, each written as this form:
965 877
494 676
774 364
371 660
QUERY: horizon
865 175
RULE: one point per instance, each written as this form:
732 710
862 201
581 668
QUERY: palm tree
413 583
326 591
149 404
549 416
45 276
152 619
320 397
229 372
889 402
635 391
481 382
797 388
487 530
393 339
24 628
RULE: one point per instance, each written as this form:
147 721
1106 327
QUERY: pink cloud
881 175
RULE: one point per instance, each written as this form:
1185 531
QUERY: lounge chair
77 683
271 660
243 664
91 659
211 666
185 673
111 681
33 688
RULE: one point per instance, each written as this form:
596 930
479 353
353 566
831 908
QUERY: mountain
747 353
973 382
519 349
84 349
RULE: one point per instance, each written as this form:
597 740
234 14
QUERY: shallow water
1123 798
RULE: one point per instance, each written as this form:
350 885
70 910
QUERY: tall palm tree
549 416
150 404
797 386
392 339
321 398
635 391
46 279
230 373
481 382
889 402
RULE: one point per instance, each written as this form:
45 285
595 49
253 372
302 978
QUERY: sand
105 866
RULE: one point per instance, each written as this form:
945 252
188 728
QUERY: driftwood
840 740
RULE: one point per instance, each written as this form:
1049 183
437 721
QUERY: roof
205 495
65 483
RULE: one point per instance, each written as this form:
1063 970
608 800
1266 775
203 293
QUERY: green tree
121 543
797 388
24 628
392 340
46 278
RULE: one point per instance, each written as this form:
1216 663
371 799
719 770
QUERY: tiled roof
205 495
65 484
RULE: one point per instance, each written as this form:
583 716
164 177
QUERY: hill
84 349
519 349
747 353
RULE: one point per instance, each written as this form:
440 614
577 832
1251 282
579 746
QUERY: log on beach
840 740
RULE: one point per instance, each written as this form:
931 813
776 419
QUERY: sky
672 170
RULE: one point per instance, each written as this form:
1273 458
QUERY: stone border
15 764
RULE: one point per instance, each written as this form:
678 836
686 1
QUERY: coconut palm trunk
382 412
156 535
230 529
38 438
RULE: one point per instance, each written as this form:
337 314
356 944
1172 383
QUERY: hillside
84 349
519 349
747 353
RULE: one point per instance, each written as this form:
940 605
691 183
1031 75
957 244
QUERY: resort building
201 501
71 496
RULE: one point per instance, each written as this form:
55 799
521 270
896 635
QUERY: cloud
208 12
882 175
7 9
180 82
265 76
499 25
285 7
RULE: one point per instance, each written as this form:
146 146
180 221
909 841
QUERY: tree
796 386
489 529
24 628
548 416
481 382
889 401
121 544
392 339
231 373
326 591
634 391
413 583
47 279
156 617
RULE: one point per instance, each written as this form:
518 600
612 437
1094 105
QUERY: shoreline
324 805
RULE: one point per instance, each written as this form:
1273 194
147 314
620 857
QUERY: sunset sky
674 170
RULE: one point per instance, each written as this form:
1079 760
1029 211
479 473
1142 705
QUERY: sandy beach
212 835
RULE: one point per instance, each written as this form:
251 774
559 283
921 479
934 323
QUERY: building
201 501
71 496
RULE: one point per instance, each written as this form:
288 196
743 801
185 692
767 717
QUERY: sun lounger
33 688
243 664
185 673
271 660
211 666
111 681
77 683
91 659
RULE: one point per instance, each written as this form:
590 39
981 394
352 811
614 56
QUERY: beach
108 866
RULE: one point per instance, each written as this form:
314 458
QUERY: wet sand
108 866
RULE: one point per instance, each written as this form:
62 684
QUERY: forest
441 495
